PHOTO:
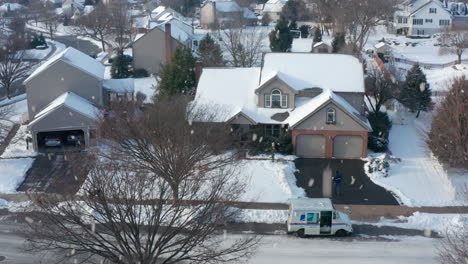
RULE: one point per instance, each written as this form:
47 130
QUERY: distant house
427 17
297 94
66 95
224 13
10 7
321 47
154 48
273 9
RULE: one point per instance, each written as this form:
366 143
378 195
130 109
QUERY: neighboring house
10 7
317 98
383 50
225 13
427 17
273 9
66 94
321 47
154 48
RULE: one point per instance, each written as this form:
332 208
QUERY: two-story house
318 98
66 95
424 17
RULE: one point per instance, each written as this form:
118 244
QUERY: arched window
331 116
276 99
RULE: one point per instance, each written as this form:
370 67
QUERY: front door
313 224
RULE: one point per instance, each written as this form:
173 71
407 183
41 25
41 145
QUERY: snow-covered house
318 98
427 17
66 94
10 7
222 13
154 48
321 47
273 9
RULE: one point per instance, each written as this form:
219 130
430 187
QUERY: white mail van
308 216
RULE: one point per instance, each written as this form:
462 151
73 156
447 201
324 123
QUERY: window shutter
267 100
284 101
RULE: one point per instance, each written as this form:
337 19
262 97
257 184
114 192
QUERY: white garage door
310 146
347 147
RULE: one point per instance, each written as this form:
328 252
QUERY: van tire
300 233
341 233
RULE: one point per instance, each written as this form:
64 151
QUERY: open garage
310 146
61 140
347 147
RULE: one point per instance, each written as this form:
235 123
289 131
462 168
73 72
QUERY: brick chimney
198 71
168 40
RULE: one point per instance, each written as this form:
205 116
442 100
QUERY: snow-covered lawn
419 179
269 181
441 79
12 173
302 45
146 86
17 147
37 54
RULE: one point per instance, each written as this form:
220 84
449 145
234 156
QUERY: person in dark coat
337 183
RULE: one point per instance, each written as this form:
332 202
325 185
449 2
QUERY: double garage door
344 147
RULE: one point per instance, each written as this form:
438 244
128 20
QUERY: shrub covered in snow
381 125
380 165
283 145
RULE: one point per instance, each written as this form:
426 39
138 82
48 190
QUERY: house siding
318 121
59 78
276 84
207 15
149 52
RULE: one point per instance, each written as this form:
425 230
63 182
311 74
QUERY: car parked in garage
52 142
73 139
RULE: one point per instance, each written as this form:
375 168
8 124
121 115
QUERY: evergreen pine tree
416 94
34 42
338 42
317 35
178 76
210 52
281 38
304 31
293 25
41 40
120 67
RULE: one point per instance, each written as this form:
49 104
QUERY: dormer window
331 116
276 100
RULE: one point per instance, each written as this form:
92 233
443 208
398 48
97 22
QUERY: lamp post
273 150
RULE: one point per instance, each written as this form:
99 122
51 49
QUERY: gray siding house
66 95
317 98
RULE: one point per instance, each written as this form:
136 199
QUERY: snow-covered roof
11 7
74 58
88 9
72 101
232 92
119 85
380 45
249 14
320 44
179 29
227 6
274 6
318 204
337 72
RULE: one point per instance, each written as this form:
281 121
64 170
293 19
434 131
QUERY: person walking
337 183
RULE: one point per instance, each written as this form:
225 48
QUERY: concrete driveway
53 173
356 187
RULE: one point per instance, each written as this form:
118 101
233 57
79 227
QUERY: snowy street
397 250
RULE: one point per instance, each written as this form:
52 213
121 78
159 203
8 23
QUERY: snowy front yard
268 181
12 173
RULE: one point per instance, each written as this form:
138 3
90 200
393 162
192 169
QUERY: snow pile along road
12 172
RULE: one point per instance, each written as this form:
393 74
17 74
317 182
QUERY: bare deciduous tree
5 115
454 41
97 24
129 212
244 45
50 19
448 138
121 24
381 86
12 66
